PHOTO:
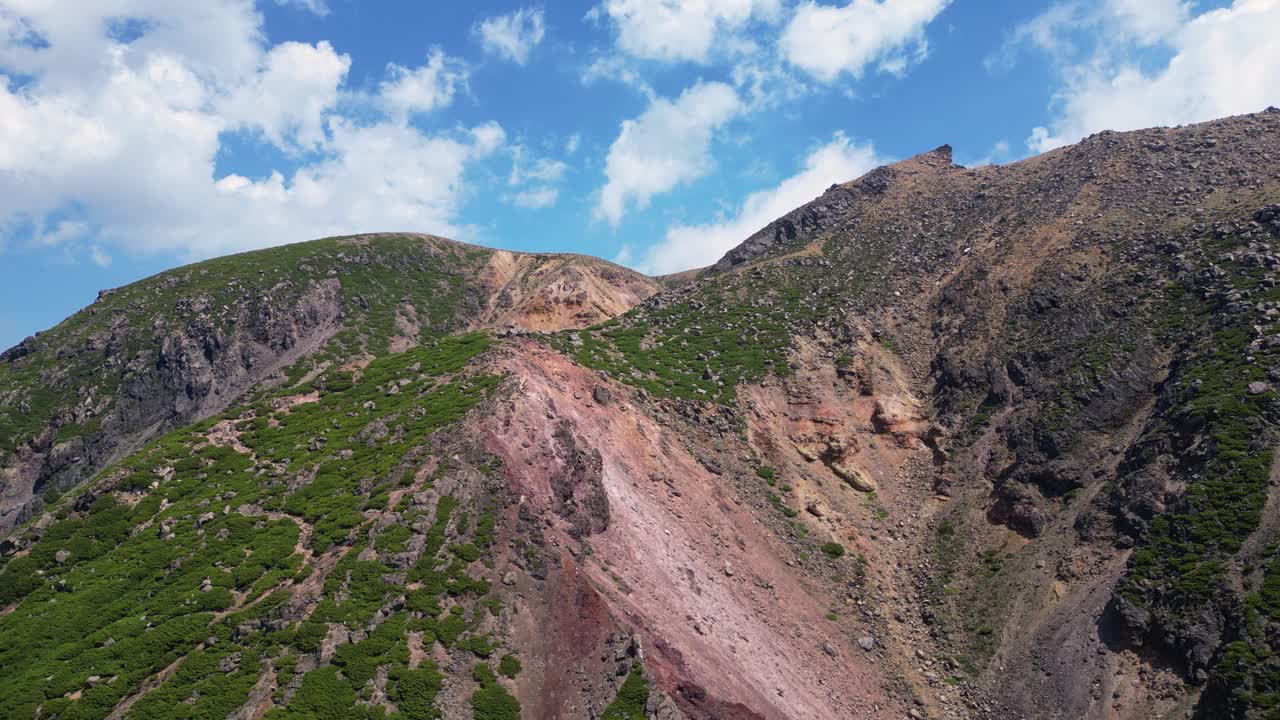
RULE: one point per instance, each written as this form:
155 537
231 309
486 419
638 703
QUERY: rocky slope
943 443
187 343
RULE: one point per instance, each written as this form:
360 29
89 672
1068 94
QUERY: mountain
942 443
187 343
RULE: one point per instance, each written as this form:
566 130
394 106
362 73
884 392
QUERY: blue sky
137 135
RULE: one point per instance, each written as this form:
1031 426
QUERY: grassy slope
163 565
95 352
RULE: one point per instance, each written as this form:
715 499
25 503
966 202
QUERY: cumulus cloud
115 111
538 170
487 138
318 7
288 97
1148 21
379 176
678 30
826 41
425 88
535 198
667 145
512 36
535 177
615 68
1057 31
1221 62
691 246
71 46
61 232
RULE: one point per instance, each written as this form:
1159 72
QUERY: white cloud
1046 32
766 86
218 41
319 7
617 69
667 145
62 232
425 88
383 176
1057 31
826 41
288 98
488 137
1148 21
691 246
536 176
512 36
121 131
99 258
1223 62
534 198
571 145
684 30
539 170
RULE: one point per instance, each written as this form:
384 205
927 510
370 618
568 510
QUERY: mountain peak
1015 418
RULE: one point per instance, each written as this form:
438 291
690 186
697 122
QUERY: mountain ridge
212 349
944 442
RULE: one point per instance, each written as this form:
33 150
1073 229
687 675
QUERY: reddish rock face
740 642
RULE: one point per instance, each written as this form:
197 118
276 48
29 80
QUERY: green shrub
833 549
629 703
415 691
509 666
492 701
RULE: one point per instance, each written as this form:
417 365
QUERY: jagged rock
602 395
856 478
808 452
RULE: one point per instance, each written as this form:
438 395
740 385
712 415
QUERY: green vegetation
630 700
416 690
833 549
194 569
706 340
1247 669
509 666
1184 559
82 357
492 701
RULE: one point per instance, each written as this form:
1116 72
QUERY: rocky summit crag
985 443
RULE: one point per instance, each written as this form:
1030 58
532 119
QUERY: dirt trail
259 703
122 708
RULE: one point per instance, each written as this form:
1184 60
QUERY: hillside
187 343
942 443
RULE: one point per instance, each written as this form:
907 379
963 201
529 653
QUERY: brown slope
550 292
1024 307
1000 285
682 559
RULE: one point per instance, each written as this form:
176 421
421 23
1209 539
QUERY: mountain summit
944 442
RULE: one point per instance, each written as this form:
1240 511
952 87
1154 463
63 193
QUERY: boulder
856 478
